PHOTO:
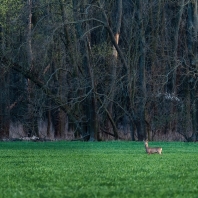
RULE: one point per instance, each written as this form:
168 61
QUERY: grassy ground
97 169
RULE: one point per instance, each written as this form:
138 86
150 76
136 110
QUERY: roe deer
152 150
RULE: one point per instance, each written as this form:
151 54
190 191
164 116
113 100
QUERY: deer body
152 150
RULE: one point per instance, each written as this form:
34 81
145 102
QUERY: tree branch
30 75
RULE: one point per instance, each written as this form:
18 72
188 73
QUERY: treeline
117 69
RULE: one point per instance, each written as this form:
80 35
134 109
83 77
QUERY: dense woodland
99 70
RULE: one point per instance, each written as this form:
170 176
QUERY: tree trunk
90 104
4 104
32 122
141 130
115 38
192 40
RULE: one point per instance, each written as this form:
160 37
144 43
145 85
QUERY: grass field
97 169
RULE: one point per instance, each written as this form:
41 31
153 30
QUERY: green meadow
97 169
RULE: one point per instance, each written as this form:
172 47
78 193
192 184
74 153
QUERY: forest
99 70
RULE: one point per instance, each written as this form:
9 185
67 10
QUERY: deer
152 150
